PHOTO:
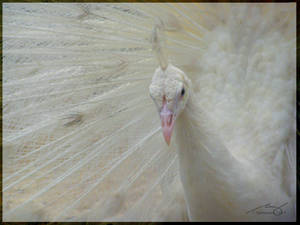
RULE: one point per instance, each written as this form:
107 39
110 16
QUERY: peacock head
170 91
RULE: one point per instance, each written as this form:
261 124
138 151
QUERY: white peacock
82 139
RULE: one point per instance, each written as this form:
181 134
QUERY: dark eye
182 92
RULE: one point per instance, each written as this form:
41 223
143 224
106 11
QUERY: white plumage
82 140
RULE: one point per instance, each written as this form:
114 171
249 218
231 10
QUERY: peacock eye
182 92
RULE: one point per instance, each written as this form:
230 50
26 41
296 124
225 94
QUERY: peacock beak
167 121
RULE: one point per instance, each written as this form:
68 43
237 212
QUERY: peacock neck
205 164
217 186
196 134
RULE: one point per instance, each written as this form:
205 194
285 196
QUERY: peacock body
82 140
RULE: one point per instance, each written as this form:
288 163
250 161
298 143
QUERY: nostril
170 120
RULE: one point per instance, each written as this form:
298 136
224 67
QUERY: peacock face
169 90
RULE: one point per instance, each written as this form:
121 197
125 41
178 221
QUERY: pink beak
167 121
